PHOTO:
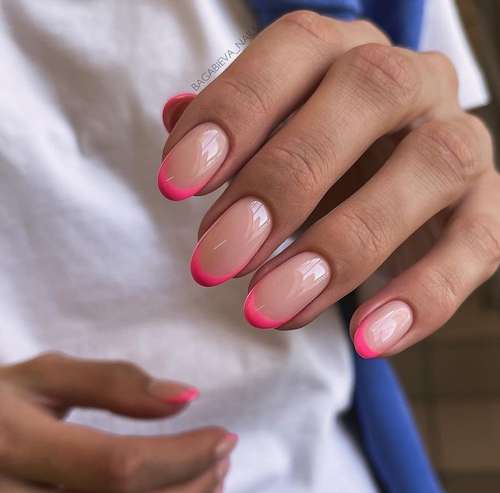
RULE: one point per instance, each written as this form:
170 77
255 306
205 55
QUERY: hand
293 122
39 453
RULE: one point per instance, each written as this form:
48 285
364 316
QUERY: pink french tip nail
231 242
382 328
226 446
163 390
174 107
184 397
188 167
286 290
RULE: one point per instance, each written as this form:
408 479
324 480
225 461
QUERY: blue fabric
386 427
400 19
384 422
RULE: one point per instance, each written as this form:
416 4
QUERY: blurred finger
85 459
118 386
209 482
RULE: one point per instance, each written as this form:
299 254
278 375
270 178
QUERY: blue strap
400 19
386 427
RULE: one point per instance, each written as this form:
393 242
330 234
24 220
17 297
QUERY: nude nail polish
231 242
174 107
188 167
286 290
382 328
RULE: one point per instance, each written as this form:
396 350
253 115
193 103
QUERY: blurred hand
329 132
39 453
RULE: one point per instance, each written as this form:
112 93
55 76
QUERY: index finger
227 122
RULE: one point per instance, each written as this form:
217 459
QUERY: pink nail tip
362 348
204 278
184 397
255 317
169 190
169 114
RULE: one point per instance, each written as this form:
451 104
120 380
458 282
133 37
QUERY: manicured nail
170 393
286 290
382 328
188 167
231 242
174 107
222 468
226 445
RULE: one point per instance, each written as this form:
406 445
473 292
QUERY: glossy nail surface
174 107
188 167
382 328
286 290
231 242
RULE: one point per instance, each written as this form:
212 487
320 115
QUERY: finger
209 482
9 485
421 299
86 460
381 89
174 108
422 177
120 387
234 115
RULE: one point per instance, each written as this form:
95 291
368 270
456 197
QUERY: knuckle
450 150
48 360
482 232
372 31
312 23
445 68
122 468
484 139
301 161
386 72
443 288
248 92
364 232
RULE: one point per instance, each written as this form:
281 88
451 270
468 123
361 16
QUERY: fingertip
174 108
254 317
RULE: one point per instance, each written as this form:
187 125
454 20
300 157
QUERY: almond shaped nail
286 290
231 242
188 167
382 328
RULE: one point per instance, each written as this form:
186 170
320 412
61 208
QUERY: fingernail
170 393
174 107
226 446
231 242
222 468
286 290
382 328
188 167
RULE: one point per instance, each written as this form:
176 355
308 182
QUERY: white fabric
94 262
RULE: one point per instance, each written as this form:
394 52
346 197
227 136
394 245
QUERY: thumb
118 386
